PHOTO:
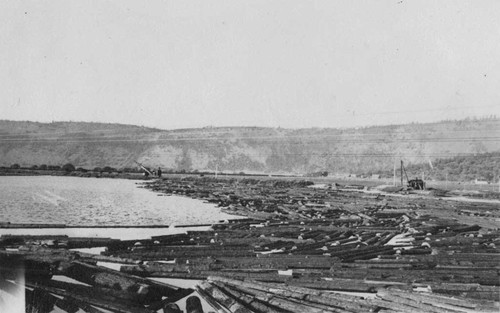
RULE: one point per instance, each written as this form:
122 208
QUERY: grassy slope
249 149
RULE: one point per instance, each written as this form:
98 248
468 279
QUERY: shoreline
369 182
88 174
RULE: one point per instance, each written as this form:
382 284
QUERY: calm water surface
96 201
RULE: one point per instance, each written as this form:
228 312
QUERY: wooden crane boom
144 168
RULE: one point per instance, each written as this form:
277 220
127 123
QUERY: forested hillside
485 166
256 149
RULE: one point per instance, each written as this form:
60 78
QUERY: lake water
78 201
96 202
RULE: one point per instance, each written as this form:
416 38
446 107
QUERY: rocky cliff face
247 149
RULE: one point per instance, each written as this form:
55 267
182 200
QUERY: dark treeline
71 169
68 167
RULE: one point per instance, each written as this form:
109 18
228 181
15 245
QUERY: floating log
146 290
30 225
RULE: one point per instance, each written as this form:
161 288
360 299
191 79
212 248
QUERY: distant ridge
245 149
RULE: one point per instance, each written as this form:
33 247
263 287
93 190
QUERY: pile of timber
231 295
299 249
328 256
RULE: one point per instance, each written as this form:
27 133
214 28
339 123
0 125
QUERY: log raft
299 249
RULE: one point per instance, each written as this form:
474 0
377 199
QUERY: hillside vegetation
485 166
252 149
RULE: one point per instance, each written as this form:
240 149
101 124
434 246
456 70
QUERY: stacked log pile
231 295
299 249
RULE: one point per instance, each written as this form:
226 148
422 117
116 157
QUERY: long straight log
210 300
253 304
114 305
467 303
286 304
337 301
148 290
283 262
230 303
411 303
173 254
468 290
433 300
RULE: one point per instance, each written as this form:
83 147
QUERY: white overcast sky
177 64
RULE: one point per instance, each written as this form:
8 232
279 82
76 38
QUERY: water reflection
96 201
